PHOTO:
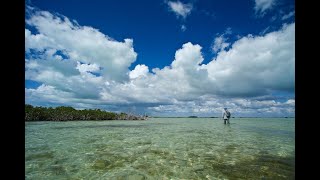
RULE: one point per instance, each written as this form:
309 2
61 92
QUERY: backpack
228 114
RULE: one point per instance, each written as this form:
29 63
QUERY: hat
224 108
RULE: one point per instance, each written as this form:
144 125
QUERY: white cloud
209 106
45 94
255 64
291 102
238 72
49 95
179 8
287 16
81 43
189 56
87 67
252 66
220 43
139 70
261 6
38 41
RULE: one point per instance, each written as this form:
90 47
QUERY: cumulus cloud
241 72
139 70
45 94
180 9
261 6
189 56
80 66
37 41
254 65
80 43
87 67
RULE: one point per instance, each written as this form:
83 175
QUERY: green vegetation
64 113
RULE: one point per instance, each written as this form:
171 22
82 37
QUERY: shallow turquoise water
161 148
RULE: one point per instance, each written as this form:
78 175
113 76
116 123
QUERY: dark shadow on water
102 126
113 126
230 163
262 167
39 156
270 131
259 166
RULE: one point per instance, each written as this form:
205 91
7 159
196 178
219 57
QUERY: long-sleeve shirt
224 115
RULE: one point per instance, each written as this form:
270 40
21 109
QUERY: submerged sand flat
161 148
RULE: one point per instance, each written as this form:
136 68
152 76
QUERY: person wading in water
226 116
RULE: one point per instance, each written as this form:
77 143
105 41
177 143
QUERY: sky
162 57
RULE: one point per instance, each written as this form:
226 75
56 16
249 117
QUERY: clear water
161 148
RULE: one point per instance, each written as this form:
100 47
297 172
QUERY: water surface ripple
161 148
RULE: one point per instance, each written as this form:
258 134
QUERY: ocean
161 148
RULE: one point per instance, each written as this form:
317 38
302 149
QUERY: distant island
66 113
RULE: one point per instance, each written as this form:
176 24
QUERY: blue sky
163 58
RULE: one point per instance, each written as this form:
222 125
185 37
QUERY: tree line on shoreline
66 113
